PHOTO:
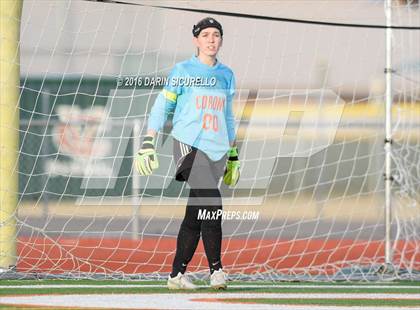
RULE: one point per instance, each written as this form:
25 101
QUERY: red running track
316 256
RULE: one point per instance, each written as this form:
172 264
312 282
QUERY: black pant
203 212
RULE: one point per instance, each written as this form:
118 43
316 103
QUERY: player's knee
211 230
191 226
213 223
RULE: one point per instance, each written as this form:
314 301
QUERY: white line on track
187 301
298 286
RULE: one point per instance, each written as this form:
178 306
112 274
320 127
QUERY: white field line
188 301
36 286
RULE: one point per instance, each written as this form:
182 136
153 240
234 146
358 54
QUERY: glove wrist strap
233 153
149 141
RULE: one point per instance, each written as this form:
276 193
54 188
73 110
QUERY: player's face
209 41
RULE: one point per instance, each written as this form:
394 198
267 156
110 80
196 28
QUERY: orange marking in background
148 255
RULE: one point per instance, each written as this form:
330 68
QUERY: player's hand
146 159
231 176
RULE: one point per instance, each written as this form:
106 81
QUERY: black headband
207 22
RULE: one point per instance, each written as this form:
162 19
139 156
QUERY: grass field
47 294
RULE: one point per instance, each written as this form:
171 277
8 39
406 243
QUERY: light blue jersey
200 97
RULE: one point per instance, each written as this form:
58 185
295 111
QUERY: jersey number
210 121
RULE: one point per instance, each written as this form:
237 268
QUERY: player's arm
164 105
229 116
146 159
232 172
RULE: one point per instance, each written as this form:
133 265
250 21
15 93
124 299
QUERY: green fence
41 129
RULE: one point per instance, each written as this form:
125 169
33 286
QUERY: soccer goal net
310 108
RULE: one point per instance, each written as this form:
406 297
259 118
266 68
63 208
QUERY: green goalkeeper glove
231 176
146 159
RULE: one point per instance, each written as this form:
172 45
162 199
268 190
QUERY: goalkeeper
199 94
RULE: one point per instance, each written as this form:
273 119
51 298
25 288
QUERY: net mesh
310 130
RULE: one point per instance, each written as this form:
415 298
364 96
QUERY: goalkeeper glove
231 176
146 159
